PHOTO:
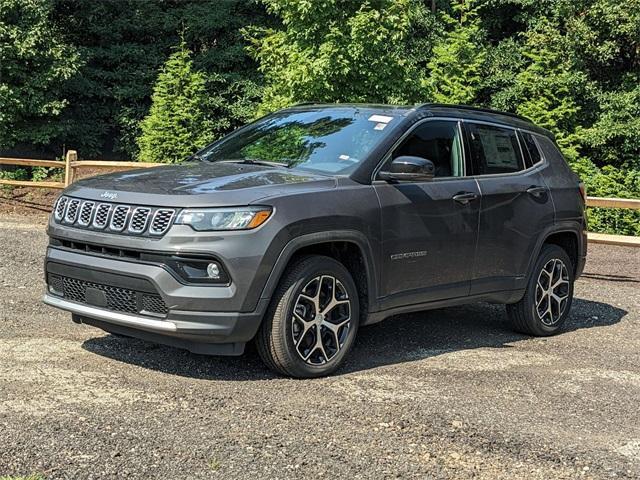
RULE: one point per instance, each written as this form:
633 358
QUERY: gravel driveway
449 393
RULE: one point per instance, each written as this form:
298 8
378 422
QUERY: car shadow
398 339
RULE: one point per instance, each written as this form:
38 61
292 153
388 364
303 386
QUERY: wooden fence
71 164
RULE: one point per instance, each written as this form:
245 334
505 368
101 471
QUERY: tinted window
494 149
438 141
331 140
532 148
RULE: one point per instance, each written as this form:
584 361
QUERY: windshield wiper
194 156
251 161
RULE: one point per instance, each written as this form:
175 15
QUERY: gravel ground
449 393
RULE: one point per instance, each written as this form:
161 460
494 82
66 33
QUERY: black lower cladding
113 298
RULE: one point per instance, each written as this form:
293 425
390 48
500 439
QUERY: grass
29 477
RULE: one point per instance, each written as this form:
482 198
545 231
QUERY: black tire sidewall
316 266
549 252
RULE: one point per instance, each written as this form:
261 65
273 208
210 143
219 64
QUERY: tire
289 331
539 313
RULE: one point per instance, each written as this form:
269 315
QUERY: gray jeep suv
299 228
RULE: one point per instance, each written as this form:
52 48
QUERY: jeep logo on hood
109 195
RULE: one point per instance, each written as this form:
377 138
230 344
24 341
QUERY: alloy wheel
552 291
321 320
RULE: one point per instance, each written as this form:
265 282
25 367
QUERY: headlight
212 219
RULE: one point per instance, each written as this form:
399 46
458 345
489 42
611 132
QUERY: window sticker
380 126
498 150
344 157
380 118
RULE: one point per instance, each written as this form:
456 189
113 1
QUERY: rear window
494 149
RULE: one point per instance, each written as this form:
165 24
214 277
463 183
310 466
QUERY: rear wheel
547 301
312 321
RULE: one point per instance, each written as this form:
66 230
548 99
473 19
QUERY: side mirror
409 168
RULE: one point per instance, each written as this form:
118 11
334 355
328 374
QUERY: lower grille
106 296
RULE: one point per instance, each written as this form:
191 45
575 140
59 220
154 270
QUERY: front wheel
312 321
547 301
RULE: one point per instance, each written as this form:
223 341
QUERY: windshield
333 140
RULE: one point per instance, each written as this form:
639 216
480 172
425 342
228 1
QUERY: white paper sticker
344 157
380 118
380 126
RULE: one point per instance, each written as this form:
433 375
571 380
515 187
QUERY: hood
198 184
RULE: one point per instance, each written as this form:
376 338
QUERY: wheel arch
340 245
568 237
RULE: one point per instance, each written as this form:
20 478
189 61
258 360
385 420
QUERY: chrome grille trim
101 218
71 213
60 208
119 218
86 213
161 221
139 219
113 217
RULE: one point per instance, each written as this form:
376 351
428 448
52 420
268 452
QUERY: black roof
441 109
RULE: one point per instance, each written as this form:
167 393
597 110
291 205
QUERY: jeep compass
301 227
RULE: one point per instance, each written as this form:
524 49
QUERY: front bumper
200 318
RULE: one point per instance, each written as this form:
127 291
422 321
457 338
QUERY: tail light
583 192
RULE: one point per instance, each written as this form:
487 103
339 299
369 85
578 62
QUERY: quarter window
438 141
494 149
532 148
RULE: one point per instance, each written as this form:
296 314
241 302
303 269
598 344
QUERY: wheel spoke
313 312
553 286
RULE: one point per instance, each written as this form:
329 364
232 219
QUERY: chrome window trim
410 130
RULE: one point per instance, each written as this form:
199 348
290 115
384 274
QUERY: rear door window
494 149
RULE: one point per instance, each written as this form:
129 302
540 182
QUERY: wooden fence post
72 156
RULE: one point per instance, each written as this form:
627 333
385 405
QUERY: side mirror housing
409 168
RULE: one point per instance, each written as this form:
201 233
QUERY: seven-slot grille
113 217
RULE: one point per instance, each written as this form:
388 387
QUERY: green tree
339 51
34 64
178 123
123 43
456 63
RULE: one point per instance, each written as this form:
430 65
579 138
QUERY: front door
429 228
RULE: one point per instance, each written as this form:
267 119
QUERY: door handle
465 197
536 191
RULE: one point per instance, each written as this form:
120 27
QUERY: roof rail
475 109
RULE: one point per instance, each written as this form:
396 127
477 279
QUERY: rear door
515 206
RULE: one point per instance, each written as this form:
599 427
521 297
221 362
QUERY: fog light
213 270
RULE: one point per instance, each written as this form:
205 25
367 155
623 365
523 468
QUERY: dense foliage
83 73
35 62
178 120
